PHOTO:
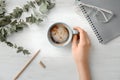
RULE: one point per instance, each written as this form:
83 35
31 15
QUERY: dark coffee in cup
59 33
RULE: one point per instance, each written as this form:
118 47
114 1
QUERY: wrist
82 63
82 60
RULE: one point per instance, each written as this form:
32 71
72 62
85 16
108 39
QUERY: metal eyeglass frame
101 10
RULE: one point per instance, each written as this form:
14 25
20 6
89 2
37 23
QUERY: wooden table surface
104 59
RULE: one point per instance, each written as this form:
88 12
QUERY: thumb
74 41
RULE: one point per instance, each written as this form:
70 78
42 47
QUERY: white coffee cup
69 39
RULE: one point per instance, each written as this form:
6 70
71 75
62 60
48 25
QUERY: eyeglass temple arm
95 7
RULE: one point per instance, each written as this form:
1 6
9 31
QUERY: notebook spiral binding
91 23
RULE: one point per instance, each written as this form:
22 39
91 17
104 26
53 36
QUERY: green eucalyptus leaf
17 12
20 48
3 32
36 13
38 2
32 4
18 28
23 24
2 8
43 8
9 44
13 26
26 52
50 5
2 38
7 29
2 3
18 51
15 46
13 29
13 23
5 21
2 11
39 20
26 7
31 19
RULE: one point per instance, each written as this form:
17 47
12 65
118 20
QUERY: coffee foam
59 33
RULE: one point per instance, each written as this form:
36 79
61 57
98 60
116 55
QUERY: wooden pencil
26 65
42 64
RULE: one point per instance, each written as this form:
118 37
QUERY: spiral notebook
103 16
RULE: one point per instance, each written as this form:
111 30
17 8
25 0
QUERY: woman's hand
80 46
80 50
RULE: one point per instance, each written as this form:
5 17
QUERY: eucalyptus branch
19 48
12 23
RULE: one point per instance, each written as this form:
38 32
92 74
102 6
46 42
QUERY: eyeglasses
102 15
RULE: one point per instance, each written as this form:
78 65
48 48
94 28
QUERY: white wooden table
104 59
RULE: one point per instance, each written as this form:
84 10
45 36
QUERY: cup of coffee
60 34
